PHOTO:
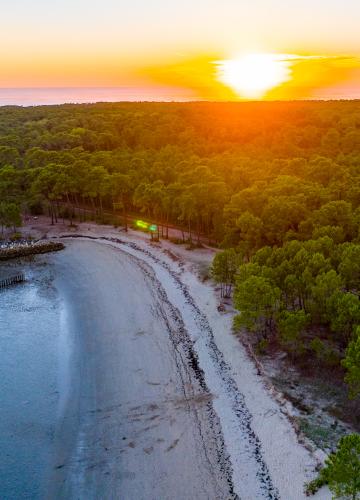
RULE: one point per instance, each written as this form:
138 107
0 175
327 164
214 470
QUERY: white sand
140 420
266 459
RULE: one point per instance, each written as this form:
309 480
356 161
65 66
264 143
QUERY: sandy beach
145 424
160 400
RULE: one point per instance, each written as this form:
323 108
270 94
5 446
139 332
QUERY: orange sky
158 42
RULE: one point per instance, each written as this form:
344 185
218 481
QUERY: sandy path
140 414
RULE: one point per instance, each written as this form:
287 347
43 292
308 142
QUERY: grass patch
322 436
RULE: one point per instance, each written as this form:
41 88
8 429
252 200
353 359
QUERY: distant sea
76 95
61 95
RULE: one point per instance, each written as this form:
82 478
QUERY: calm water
38 96
31 337
61 95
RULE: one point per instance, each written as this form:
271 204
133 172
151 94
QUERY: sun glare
251 76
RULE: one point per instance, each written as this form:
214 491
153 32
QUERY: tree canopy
276 185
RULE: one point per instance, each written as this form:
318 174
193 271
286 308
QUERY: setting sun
252 75
179 224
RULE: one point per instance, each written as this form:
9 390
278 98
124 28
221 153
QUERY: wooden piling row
12 280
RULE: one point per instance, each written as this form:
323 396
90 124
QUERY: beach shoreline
100 438
288 464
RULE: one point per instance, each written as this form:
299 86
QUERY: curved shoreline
245 455
240 439
96 451
288 464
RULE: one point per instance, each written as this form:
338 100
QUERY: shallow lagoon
31 327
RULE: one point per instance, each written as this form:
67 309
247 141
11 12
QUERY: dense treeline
278 183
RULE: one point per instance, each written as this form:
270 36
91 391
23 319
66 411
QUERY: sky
314 44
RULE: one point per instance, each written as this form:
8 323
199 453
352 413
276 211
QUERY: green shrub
291 326
352 364
325 352
342 470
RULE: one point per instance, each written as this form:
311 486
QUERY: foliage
352 364
278 183
9 215
223 269
312 299
258 302
322 435
291 325
342 470
345 313
325 352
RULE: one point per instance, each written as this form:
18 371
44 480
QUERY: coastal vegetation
275 185
342 470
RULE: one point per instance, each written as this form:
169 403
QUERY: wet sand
138 422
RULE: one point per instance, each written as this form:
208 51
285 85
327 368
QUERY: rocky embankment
26 249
